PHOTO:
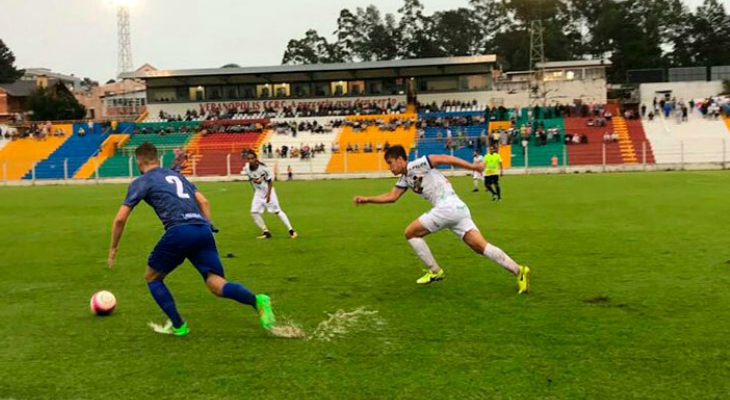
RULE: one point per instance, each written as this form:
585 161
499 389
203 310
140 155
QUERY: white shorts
259 203
456 218
477 175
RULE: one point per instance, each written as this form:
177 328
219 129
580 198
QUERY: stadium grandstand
315 120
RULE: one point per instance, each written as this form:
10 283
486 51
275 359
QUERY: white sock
496 254
476 183
424 253
285 220
259 220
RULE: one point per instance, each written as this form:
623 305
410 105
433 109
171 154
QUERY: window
574 74
356 88
474 82
301 89
232 92
197 93
339 88
375 87
163 94
440 84
282 90
553 76
182 94
595 73
214 92
263 91
247 92
322 89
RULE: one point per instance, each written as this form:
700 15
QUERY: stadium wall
680 90
588 91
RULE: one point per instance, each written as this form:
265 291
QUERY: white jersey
428 183
259 179
478 174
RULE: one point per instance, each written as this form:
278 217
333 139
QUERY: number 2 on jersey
172 179
418 184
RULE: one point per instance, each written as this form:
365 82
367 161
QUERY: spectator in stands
386 147
691 105
356 148
379 147
349 147
643 111
554 161
606 137
584 138
615 137
289 173
576 138
81 132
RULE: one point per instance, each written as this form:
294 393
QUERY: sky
80 36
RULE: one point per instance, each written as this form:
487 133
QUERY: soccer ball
103 303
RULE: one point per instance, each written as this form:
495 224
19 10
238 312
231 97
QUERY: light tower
537 56
124 62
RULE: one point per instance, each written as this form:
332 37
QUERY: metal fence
595 157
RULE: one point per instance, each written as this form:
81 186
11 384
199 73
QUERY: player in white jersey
264 195
448 212
477 176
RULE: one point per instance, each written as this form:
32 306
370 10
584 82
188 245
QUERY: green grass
631 293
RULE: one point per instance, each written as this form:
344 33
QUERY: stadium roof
574 64
284 69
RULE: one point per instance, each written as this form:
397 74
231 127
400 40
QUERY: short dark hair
246 153
396 151
147 153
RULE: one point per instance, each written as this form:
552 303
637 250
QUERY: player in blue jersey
185 214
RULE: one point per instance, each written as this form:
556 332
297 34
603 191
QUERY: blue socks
238 292
164 299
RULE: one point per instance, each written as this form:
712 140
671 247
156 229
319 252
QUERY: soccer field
631 286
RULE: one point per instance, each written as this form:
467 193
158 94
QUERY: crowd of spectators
391 125
303 152
38 131
709 108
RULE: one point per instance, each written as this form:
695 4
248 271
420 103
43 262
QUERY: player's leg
474 239
257 211
415 232
475 181
274 208
496 187
164 259
488 186
206 260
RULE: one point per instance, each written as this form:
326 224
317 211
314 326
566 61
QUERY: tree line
633 34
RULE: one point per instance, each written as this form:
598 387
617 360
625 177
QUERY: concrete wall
681 90
588 91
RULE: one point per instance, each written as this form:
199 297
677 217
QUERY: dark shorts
491 180
192 242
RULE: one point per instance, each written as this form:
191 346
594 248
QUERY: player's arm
120 221
270 184
438 160
204 205
385 198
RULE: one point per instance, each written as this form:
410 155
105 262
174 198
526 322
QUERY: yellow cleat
431 277
523 279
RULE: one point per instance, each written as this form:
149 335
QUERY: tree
88 83
710 27
416 32
459 32
8 72
312 49
55 103
491 18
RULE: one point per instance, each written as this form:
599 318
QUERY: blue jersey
170 195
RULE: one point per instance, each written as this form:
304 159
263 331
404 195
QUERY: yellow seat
20 155
369 162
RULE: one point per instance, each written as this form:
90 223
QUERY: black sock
499 191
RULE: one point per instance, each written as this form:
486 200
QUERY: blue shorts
194 242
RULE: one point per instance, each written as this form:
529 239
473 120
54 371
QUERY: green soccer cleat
263 305
431 277
523 279
168 329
